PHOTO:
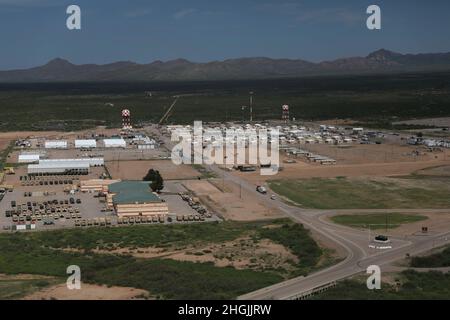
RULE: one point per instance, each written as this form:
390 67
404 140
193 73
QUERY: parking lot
34 205
50 209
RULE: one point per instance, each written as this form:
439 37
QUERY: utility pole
240 189
251 106
386 222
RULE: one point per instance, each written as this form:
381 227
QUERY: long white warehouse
58 168
115 143
58 144
28 158
62 166
85 143
92 162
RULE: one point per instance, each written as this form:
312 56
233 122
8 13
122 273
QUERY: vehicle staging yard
89 208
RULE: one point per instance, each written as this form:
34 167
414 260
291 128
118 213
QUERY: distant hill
380 61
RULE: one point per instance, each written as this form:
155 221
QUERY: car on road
261 189
382 239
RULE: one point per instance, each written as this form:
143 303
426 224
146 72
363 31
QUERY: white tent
29 158
59 144
115 143
85 143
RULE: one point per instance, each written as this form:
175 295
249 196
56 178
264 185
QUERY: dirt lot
225 198
4 143
87 292
373 153
301 170
136 170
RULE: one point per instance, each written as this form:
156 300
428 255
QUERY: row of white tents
436 143
86 144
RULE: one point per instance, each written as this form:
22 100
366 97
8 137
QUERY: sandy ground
227 199
87 292
373 153
136 170
301 170
241 254
4 143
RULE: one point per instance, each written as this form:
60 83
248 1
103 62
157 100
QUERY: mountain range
380 61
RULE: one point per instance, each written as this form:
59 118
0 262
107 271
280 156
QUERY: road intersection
355 242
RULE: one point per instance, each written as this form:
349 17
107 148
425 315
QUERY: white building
28 158
92 162
115 143
58 144
85 144
146 146
358 130
61 166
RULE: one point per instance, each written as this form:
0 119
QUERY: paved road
354 242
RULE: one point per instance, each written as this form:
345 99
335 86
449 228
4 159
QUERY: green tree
157 182
150 176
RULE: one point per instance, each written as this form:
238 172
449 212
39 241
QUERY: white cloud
183 13
138 13
31 3
300 13
330 15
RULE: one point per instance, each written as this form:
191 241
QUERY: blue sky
34 31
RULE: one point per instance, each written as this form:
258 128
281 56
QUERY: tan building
96 185
135 198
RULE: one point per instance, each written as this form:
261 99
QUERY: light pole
243 108
251 106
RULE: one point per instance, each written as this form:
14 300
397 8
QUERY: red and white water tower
126 119
285 113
